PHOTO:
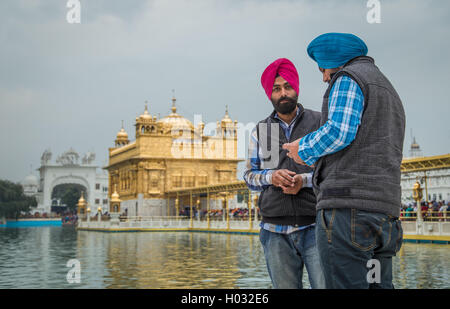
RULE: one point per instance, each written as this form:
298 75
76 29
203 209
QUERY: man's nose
283 92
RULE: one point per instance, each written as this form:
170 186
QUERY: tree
70 197
69 194
13 201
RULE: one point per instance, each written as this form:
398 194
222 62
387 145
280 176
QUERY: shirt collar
299 110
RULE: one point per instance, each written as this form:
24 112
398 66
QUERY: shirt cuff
269 177
308 160
307 180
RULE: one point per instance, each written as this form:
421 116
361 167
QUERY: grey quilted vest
366 174
275 206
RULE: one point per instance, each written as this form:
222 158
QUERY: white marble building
438 185
68 169
30 185
435 183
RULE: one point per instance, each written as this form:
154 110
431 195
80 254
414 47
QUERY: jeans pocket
364 229
326 220
399 230
263 236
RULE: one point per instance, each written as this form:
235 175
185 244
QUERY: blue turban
332 50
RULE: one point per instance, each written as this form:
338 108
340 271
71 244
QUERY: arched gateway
67 169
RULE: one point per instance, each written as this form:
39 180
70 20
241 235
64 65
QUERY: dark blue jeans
287 254
356 247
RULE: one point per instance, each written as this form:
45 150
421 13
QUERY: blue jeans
287 253
356 247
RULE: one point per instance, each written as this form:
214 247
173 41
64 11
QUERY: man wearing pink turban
287 202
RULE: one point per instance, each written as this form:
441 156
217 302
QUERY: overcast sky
69 85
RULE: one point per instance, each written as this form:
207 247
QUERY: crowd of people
67 217
38 216
217 214
70 218
431 211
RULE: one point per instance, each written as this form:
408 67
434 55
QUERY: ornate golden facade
171 153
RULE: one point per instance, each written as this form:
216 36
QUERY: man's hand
292 149
283 177
297 186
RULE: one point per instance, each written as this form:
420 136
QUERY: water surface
37 258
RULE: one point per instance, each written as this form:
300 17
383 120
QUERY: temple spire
174 108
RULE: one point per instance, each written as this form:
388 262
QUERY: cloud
72 84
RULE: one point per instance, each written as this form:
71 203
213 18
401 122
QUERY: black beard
286 107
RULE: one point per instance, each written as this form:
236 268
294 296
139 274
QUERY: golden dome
82 201
115 196
122 133
146 114
414 145
226 118
176 121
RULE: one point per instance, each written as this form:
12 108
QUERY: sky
66 85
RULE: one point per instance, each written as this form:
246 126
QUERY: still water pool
37 258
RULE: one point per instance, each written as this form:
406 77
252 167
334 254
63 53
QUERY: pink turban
285 69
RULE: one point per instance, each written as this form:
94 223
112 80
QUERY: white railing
431 228
155 222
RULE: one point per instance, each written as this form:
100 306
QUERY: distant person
443 211
409 211
424 209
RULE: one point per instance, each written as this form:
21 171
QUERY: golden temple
169 153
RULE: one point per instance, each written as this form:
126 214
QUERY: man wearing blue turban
333 50
357 153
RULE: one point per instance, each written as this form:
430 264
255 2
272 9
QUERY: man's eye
276 89
288 87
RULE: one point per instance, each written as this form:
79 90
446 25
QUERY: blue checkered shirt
345 108
258 179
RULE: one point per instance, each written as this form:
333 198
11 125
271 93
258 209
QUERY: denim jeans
356 247
286 254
